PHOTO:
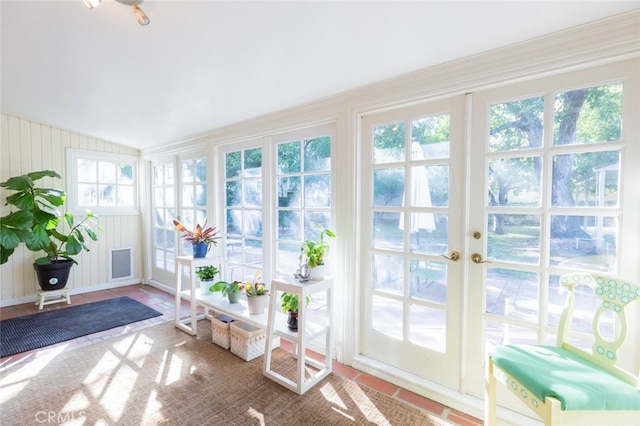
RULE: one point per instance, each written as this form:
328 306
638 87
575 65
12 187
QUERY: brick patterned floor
164 302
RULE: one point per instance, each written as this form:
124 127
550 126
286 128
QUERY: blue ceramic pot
200 249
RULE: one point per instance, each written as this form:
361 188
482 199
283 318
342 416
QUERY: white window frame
73 155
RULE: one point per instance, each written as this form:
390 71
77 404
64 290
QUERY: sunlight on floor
11 386
332 396
367 408
256 415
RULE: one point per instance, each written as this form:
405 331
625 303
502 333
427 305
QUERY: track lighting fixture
141 17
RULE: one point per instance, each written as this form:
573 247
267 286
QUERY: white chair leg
490 396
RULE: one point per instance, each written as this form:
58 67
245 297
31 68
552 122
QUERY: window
304 196
243 174
104 183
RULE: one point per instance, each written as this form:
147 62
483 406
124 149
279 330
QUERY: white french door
241 170
554 190
412 190
550 187
179 191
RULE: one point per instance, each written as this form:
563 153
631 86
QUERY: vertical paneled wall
27 146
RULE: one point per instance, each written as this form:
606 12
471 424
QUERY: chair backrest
615 295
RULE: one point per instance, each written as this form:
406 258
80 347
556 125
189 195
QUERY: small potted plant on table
200 238
232 290
289 304
256 293
206 274
315 251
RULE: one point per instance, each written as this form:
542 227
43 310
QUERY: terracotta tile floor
164 302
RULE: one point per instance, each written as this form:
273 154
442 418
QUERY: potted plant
314 252
38 224
231 290
289 304
256 293
200 238
206 274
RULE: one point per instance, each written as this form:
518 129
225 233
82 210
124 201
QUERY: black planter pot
53 276
292 321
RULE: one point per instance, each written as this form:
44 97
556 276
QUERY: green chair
566 385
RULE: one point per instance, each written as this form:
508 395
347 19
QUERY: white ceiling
201 65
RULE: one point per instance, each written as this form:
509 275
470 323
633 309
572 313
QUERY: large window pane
515 181
389 143
598 111
516 125
433 134
289 226
498 333
584 242
428 280
317 154
384 314
317 190
125 173
106 172
424 241
428 328
253 192
514 238
289 191
586 179
388 187
388 273
386 232
512 293
87 170
232 164
253 162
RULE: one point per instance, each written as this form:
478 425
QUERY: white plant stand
60 296
309 329
189 324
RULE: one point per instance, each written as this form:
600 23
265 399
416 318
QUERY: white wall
26 146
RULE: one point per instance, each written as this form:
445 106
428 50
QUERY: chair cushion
576 382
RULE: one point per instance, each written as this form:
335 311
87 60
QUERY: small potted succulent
201 238
206 274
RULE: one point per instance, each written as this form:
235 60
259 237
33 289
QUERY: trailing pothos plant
34 220
314 251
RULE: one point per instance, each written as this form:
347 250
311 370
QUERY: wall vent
120 263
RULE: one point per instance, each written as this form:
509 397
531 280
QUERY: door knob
455 256
477 258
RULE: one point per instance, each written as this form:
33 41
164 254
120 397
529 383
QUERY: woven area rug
160 375
42 329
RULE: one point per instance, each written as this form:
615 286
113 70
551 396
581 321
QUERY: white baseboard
465 403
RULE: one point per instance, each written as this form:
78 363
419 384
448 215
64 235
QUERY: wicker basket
247 341
220 330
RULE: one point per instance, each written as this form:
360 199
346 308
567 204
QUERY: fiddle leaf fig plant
34 220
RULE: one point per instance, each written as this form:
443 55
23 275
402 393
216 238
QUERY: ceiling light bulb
142 17
92 3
